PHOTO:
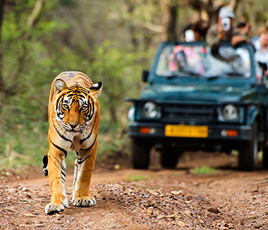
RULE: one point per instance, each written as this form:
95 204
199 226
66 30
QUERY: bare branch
233 4
31 20
155 28
35 13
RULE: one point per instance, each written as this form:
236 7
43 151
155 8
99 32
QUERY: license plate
186 131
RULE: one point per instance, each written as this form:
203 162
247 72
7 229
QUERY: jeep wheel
169 157
140 153
265 157
248 152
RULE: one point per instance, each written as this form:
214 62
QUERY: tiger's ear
95 90
60 85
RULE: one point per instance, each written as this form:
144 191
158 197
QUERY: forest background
110 41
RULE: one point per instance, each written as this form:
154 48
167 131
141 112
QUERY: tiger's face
75 106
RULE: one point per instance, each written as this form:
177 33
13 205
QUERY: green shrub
204 170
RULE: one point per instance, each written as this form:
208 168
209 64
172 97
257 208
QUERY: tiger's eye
84 107
64 106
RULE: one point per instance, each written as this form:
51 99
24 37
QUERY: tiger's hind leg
84 165
56 173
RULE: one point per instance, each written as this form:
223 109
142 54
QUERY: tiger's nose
73 125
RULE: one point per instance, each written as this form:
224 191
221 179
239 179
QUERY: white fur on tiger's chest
76 145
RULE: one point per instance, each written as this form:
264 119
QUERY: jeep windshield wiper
182 74
189 72
234 74
212 77
224 75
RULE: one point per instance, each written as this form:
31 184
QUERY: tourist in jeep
224 31
261 54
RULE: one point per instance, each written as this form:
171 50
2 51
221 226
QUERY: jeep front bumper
213 132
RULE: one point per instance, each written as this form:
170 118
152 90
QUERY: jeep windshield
191 60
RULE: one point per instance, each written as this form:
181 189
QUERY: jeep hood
196 93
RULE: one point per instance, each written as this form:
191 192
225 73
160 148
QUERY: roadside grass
27 144
112 138
136 178
24 145
205 170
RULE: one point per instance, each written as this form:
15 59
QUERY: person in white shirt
261 54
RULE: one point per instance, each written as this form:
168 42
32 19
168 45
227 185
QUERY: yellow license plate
186 131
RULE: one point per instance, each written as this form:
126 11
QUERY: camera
226 22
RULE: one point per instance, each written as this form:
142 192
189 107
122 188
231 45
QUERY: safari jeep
194 100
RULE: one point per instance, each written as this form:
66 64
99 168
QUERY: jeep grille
189 113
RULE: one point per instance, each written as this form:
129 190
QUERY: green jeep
194 101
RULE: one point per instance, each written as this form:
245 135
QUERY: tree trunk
147 38
113 115
2 85
131 27
169 20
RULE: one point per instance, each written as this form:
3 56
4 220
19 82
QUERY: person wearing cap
224 31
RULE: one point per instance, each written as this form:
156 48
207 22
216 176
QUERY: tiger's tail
45 168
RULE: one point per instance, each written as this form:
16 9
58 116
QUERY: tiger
74 117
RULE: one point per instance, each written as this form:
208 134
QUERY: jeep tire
169 157
265 157
140 153
248 152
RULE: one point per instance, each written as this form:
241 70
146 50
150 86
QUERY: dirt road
147 199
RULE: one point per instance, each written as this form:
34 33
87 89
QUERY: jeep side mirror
145 75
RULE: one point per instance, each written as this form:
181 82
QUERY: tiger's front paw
52 207
84 201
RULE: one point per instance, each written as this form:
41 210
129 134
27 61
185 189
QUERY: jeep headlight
131 114
150 110
230 112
